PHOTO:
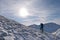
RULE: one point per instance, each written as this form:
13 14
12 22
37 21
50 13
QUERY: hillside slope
12 30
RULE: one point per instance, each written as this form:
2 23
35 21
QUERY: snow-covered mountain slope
51 27
12 30
48 27
57 34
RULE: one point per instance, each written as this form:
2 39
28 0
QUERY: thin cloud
40 10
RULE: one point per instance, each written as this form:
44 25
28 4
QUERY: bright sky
23 12
30 12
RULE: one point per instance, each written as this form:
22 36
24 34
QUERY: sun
23 12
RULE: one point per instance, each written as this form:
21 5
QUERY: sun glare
23 12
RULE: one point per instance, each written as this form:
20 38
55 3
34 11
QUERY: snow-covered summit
12 30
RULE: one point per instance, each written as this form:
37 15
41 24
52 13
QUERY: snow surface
12 30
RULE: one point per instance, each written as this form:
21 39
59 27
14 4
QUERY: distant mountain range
48 27
12 30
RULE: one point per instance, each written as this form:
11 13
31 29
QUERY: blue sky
40 10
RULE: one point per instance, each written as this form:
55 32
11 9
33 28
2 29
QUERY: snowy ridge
57 34
11 30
